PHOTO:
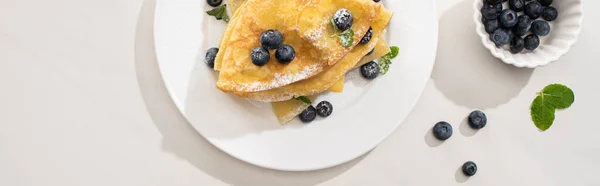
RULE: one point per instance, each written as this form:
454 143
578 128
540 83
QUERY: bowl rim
477 4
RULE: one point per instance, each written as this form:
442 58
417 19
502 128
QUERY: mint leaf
552 97
386 60
542 113
558 95
303 99
346 38
335 28
220 13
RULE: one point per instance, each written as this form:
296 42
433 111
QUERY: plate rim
171 93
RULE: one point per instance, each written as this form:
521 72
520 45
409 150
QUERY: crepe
237 72
314 25
326 79
381 49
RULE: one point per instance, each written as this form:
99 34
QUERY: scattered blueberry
533 9
508 18
545 2
500 37
343 19
370 70
377 1
371 52
271 39
540 28
211 53
478 119
324 108
523 25
308 115
367 36
285 54
442 130
532 41
494 1
491 25
469 168
491 11
517 44
260 56
516 5
549 13
214 3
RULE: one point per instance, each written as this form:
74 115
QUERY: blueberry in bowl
530 42
540 28
500 37
508 18
534 9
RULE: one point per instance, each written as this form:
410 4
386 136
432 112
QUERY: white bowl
563 34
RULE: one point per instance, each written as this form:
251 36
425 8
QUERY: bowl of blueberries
528 33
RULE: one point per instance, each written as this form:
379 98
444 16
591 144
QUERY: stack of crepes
320 63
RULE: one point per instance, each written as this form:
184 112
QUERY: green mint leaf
335 28
220 13
303 99
346 38
560 96
542 113
552 97
386 60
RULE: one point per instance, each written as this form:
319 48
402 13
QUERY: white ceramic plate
365 114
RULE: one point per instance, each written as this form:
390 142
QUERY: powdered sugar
280 79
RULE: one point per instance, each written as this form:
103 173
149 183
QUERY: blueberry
324 108
367 36
533 9
308 115
540 28
500 37
517 44
491 11
285 54
549 13
491 25
523 25
377 1
371 52
508 18
494 1
442 130
369 70
211 53
477 119
271 39
343 19
214 3
516 5
532 41
260 56
469 168
545 2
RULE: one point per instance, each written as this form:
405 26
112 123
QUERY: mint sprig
386 60
346 38
303 99
552 97
220 13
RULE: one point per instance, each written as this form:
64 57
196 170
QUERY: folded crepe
237 72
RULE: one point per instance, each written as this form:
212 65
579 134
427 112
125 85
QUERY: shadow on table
181 139
465 71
